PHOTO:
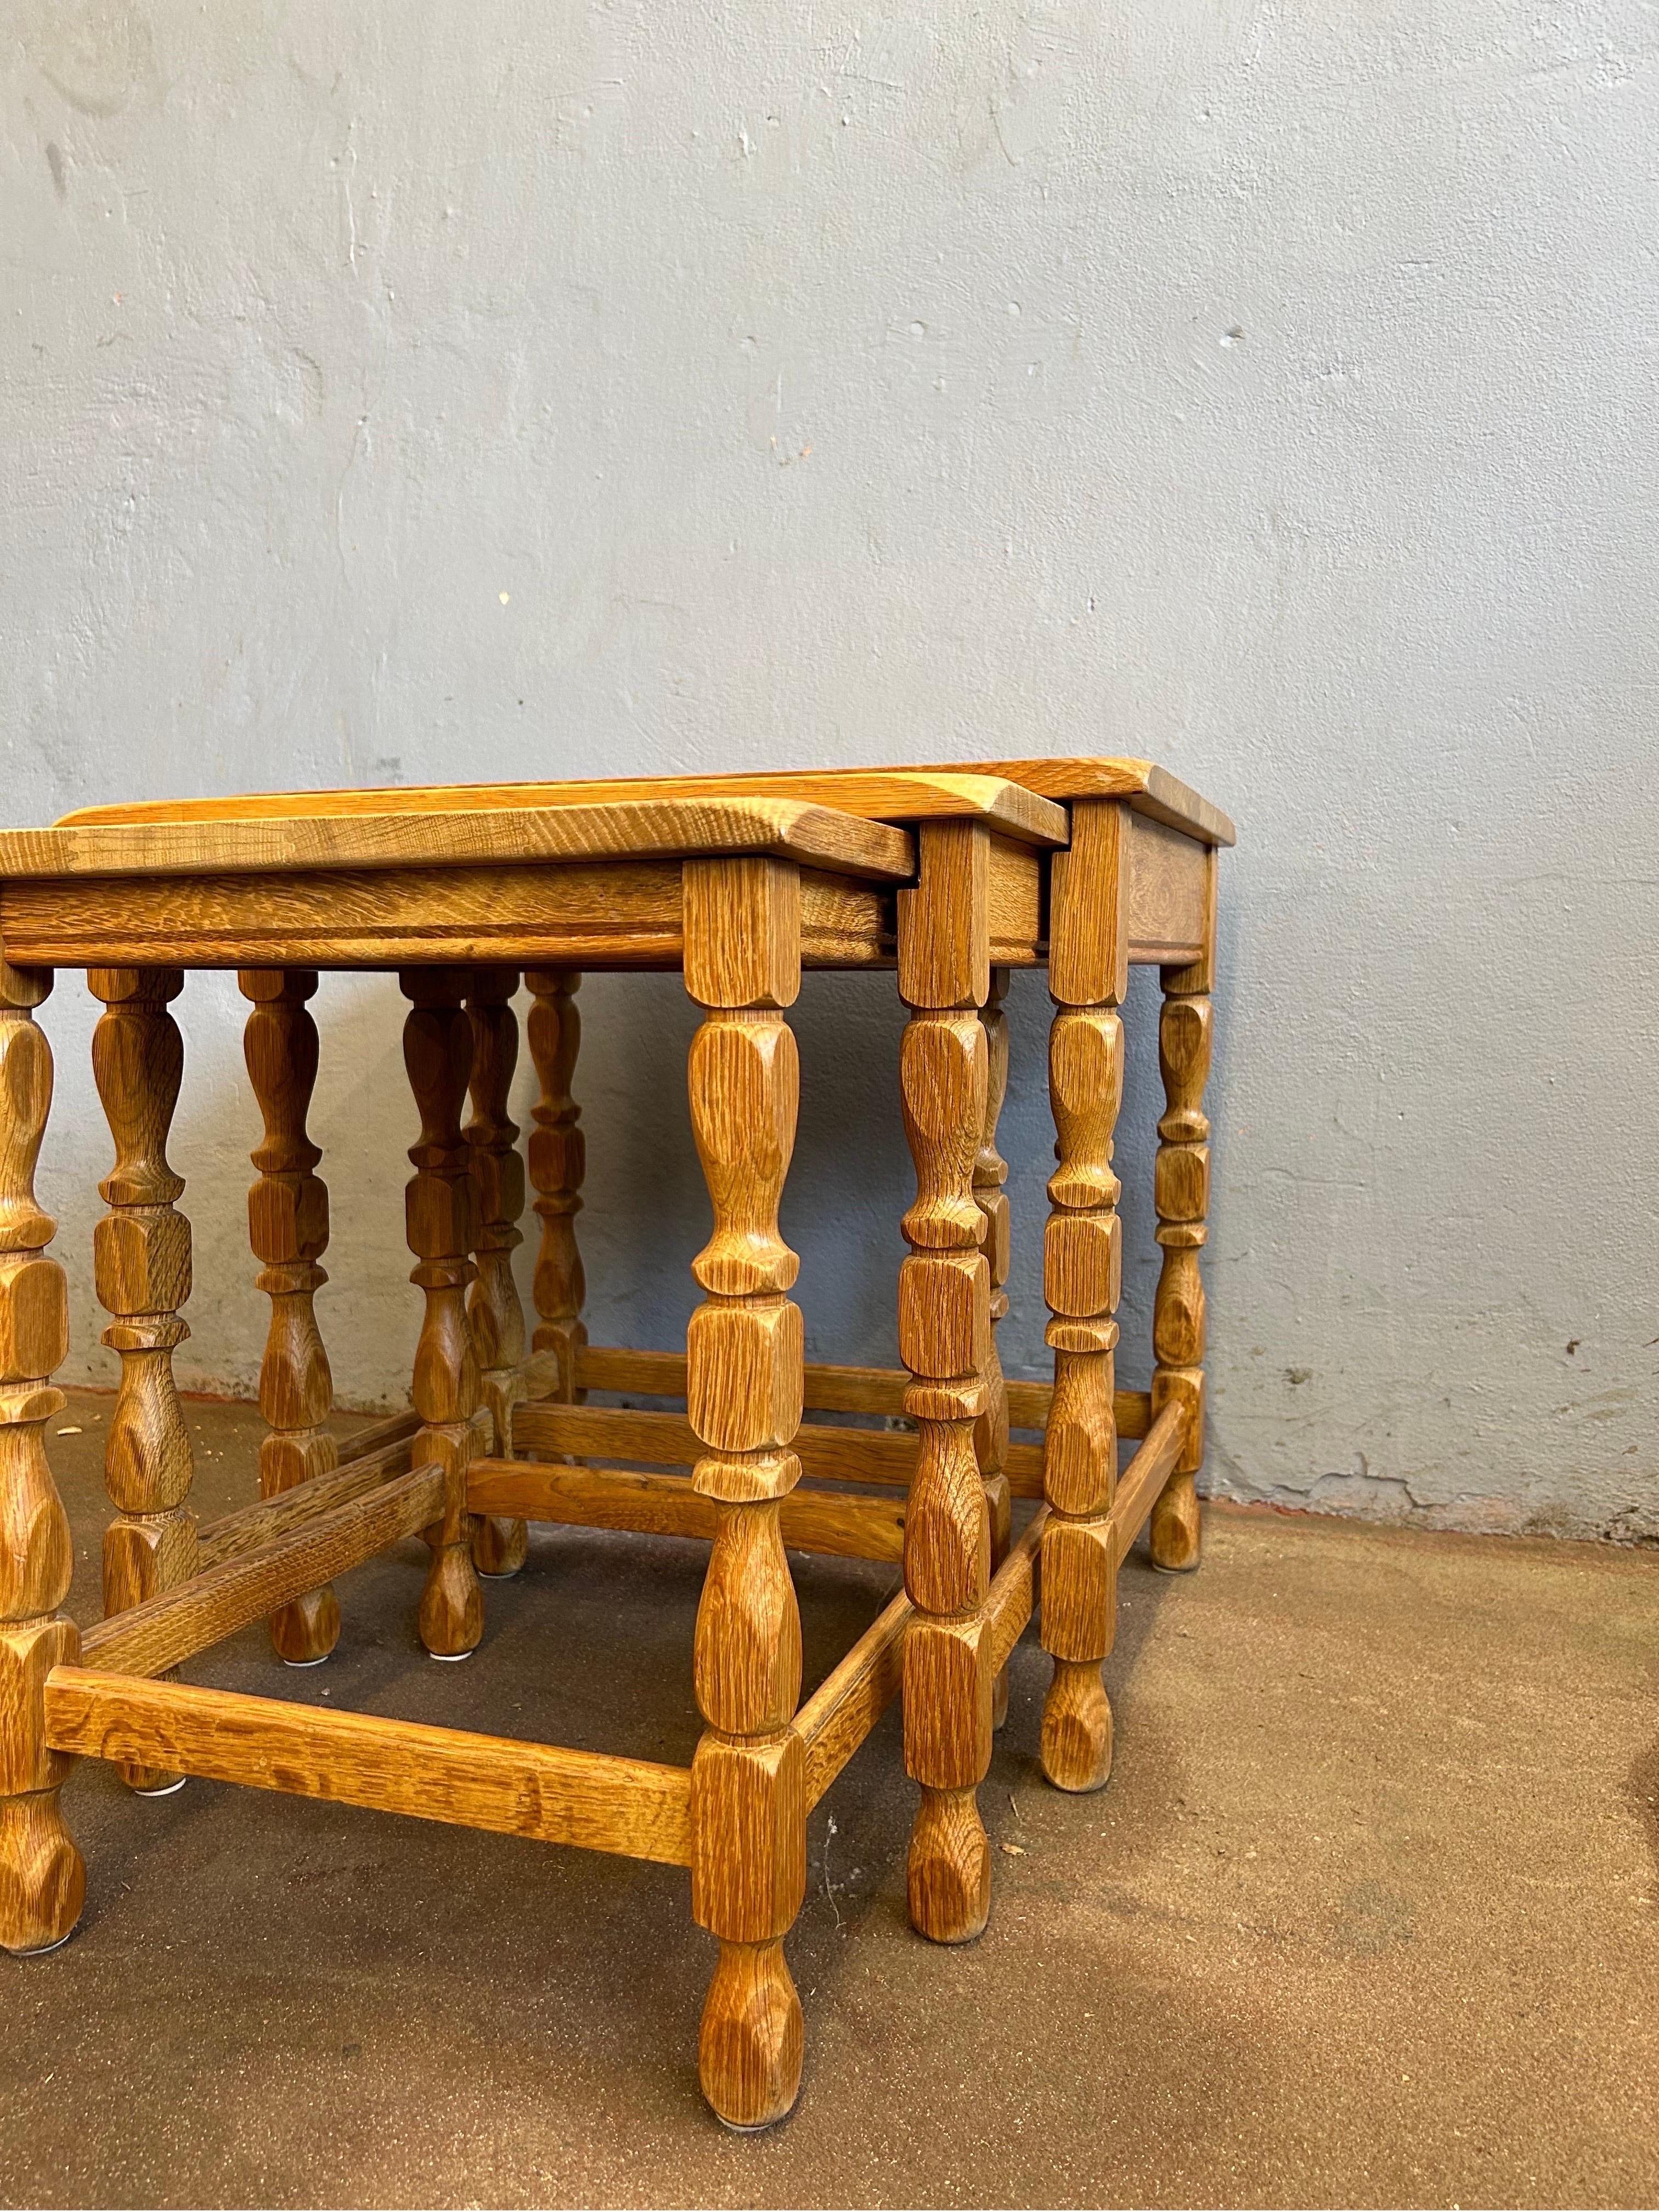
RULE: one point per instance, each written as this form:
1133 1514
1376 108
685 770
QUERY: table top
1016 797
296 837
1149 789
875 795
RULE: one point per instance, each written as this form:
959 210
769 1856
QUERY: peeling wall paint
570 389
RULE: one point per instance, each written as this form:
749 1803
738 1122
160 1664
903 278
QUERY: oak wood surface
558 1154
990 1172
853 1697
743 1360
142 1272
1082 1273
1013 1592
1146 1477
1169 876
630 1806
667 1505
170 1628
288 1228
944 1340
1149 790
250 1526
494 1308
1014 903
441 1212
877 794
631 828
829 1389
1180 1195
42 1878
826 1453
388 1431
626 914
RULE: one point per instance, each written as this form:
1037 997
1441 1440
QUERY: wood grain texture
853 1697
1148 1475
627 915
1149 789
142 1268
668 1506
831 1390
846 923
169 1629
629 1806
877 794
440 1213
944 1340
990 1173
1088 910
1012 1596
336 918
42 1877
233 1535
944 920
743 932
1196 978
558 1163
1013 902
492 1306
1180 1194
744 1359
633 829
827 1453
1090 929
288 1228
1168 877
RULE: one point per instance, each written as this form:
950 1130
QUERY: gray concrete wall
559 389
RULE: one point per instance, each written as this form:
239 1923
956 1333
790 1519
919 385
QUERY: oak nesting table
954 877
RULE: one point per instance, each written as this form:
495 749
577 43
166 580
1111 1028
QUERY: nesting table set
953 876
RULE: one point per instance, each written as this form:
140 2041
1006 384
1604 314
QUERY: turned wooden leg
1082 1267
944 1339
745 1349
288 1228
441 1212
42 1880
141 1262
559 1160
1181 1197
493 1306
990 1173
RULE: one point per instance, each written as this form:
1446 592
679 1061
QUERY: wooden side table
1137 885
736 893
1138 881
460 895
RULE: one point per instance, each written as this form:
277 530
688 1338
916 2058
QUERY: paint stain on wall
96 55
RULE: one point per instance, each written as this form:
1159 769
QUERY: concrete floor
1366 1916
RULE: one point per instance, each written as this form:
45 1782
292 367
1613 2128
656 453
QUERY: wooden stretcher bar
1013 1592
372 1456
829 1389
849 1701
667 1505
1140 1482
165 1630
629 1806
826 1454
250 1528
